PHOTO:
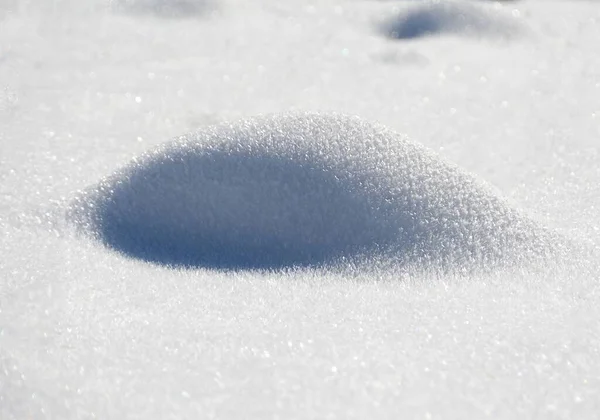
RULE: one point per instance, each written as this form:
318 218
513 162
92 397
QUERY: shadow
237 211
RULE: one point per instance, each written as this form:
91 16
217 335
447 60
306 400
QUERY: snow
324 294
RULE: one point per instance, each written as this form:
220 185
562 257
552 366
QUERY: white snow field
299 209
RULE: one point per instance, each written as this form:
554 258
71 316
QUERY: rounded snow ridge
303 189
439 17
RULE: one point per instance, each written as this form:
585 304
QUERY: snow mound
302 190
163 8
434 18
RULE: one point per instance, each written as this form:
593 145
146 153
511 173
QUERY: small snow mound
163 8
302 190
438 17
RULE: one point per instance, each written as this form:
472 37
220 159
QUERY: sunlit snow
299 209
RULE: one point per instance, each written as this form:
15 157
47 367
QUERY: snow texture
303 189
98 322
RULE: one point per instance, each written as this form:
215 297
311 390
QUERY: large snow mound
459 18
302 190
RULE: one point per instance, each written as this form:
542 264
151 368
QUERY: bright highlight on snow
303 190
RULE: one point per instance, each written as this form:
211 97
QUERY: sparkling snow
409 230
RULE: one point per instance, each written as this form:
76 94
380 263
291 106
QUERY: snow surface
306 263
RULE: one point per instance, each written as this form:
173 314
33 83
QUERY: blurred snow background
508 91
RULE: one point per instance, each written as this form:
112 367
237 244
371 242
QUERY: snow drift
434 18
302 190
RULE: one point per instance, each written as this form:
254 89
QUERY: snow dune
303 189
458 18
